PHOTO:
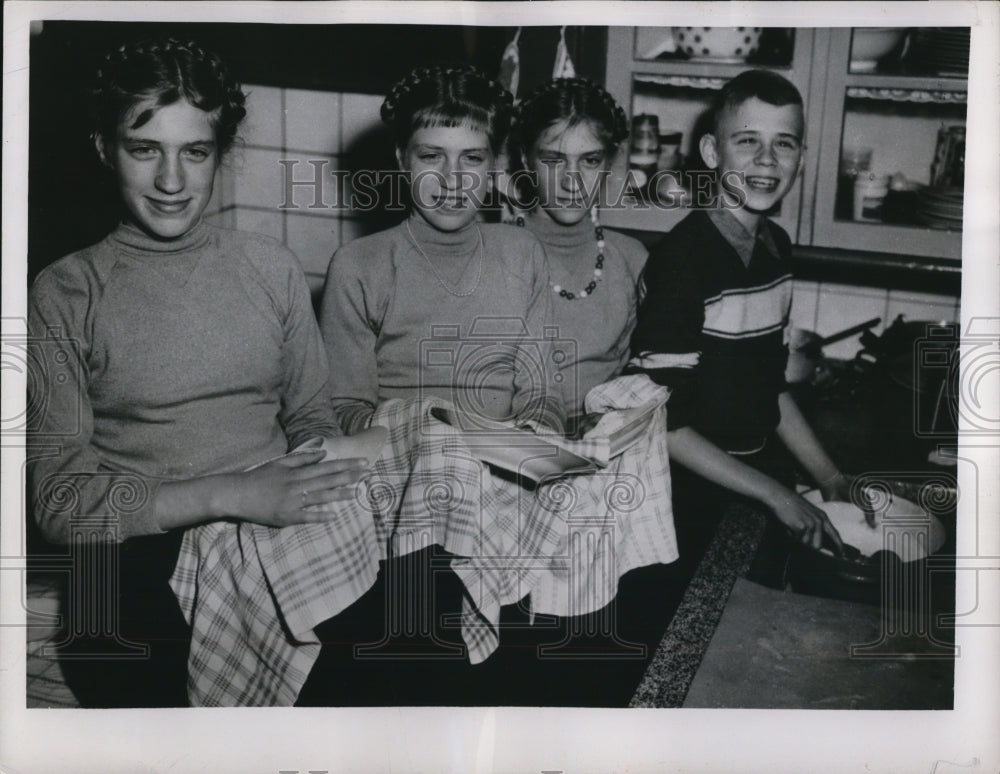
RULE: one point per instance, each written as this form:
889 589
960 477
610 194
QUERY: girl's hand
279 493
803 518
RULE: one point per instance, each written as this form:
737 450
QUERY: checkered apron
254 594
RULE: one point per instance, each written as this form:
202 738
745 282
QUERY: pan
805 349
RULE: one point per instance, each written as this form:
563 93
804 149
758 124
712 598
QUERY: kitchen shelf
680 92
897 112
906 82
708 82
894 94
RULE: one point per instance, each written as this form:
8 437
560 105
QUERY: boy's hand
836 488
803 518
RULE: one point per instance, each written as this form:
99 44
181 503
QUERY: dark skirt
137 658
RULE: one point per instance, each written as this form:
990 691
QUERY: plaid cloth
254 594
620 518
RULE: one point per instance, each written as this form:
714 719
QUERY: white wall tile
263 124
260 222
840 307
922 306
313 239
312 121
351 229
805 301
258 178
312 183
360 114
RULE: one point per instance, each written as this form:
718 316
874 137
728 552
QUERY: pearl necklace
598 274
479 274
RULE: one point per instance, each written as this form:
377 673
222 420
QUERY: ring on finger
304 495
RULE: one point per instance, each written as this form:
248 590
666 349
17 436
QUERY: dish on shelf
940 207
944 51
722 45
870 44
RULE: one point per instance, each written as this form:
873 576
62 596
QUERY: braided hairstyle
162 72
574 100
449 96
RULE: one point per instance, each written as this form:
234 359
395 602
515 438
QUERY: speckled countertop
673 667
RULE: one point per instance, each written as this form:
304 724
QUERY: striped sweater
713 330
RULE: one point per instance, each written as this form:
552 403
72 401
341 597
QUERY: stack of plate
942 50
940 207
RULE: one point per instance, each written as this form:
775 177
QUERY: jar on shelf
644 150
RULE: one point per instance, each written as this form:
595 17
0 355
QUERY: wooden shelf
907 82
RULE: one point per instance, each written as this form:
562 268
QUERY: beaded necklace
598 274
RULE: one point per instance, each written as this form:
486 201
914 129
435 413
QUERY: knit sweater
600 325
713 330
167 360
415 312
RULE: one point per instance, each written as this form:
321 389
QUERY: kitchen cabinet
893 105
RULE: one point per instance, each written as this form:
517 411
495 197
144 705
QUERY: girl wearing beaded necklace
566 133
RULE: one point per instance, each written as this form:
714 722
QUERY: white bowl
903 527
717 44
869 44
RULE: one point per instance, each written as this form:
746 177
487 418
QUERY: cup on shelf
644 150
670 143
870 190
853 161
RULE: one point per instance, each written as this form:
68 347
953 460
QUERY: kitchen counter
781 650
734 643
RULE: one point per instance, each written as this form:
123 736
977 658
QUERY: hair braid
161 72
573 100
447 95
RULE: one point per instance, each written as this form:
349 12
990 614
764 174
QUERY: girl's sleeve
67 482
537 398
666 343
305 407
350 337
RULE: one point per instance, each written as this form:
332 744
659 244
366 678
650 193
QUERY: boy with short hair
713 320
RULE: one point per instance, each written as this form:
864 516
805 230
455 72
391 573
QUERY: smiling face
449 173
165 168
569 162
757 149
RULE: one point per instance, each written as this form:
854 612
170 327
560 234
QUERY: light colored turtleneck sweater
601 324
168 360
454 321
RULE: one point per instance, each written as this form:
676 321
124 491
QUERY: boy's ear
399 157
102 151
708 149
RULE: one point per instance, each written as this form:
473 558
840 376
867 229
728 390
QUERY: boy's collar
736 234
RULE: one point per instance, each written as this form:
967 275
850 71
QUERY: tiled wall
827 308
300 125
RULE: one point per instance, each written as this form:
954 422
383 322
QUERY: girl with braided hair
443 269
566 134
442 266
187 353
